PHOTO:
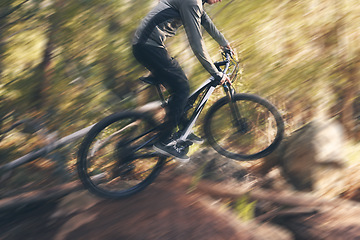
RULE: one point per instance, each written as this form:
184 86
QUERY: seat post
150 79
161 95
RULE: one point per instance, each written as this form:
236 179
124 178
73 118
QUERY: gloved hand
228 48
224 79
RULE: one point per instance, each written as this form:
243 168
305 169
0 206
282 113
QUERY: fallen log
306 215
38 196
287 198
150 107
312 218
164 211
45 150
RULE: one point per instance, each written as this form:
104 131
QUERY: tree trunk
348 63
5 6
43 75
44 70
347 112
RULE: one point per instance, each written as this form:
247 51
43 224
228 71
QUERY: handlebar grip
225 63
219 64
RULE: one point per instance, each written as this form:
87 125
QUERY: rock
210 165
311 156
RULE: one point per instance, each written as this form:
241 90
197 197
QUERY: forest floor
165 210
171 208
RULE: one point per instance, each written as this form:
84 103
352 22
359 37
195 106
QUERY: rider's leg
168 71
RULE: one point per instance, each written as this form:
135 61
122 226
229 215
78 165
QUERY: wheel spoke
248 127
117 148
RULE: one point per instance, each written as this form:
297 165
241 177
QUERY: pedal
183 144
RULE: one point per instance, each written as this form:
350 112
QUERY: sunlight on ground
352 152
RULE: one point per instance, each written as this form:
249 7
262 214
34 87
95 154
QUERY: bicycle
116 159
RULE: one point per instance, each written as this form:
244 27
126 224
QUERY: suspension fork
237 121
233 107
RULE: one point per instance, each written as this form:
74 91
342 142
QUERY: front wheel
116 158
247 127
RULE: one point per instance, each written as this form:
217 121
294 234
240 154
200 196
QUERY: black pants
168 71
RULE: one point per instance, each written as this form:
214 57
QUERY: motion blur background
64 65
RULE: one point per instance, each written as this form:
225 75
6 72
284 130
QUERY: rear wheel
245 128
116 158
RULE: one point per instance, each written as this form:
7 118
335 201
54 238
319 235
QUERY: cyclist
149 49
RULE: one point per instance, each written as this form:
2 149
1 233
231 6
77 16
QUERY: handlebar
227 57
223 66
225 63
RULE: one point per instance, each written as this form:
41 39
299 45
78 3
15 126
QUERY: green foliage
290 50
91 48
199 174
245 208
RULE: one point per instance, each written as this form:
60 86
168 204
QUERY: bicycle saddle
149 79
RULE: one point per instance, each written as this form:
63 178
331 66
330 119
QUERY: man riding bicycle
149 49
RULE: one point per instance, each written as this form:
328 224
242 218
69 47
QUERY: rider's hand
228 48
224 79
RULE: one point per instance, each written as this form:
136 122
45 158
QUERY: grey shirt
163 21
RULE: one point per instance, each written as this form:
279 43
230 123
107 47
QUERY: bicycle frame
119 149
207 88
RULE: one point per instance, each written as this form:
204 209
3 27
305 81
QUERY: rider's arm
209 26
191 13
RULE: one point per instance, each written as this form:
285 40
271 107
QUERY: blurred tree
5 7
69 63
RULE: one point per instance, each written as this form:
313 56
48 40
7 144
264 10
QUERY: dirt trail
162 211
